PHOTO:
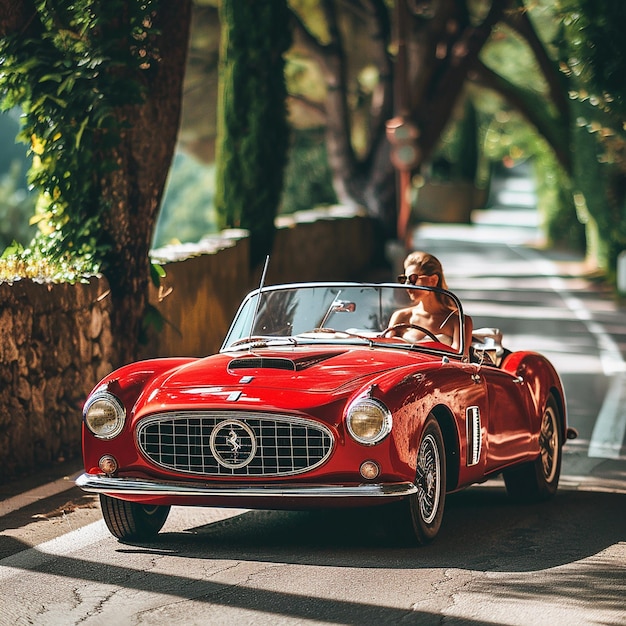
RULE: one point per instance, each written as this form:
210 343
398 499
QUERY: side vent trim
474 435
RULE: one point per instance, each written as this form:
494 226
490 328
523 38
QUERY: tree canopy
437 56
101 84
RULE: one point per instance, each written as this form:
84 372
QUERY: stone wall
56 343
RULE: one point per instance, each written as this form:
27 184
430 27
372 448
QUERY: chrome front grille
218 443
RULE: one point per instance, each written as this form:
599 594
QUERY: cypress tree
253 133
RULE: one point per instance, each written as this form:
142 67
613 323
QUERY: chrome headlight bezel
110 426
364 410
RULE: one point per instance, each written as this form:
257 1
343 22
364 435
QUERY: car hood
300 369
259 375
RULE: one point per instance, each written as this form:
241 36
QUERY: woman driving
430 309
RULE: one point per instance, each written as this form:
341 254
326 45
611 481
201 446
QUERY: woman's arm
399 317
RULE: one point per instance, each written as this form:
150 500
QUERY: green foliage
504 136
15 207
13 152
458 155
187 211
308 179
16 203
595 53
157 272
594 60
72 72
508 138
562 224
188 208
18 262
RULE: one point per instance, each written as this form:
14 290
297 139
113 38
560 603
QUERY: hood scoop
278 363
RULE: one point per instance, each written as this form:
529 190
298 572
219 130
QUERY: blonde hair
428 265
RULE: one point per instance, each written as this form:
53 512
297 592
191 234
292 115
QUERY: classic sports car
314 401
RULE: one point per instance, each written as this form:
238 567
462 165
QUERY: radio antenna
258 301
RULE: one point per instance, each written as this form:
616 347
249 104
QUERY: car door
508 423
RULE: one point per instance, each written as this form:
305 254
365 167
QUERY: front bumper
110 485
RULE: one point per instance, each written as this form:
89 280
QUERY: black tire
539 479
417 519
130 521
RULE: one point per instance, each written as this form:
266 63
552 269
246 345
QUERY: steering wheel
407 325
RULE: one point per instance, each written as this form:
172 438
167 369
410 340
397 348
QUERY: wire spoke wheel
549 444
416 520
425 507
539 479
428 478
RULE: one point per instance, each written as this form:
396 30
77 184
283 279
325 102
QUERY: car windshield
342 313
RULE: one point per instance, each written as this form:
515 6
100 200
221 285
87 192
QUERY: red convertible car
315 401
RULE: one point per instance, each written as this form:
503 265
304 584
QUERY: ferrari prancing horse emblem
231 440
233 444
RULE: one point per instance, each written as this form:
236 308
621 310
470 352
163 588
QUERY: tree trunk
136 188
440 44
15 15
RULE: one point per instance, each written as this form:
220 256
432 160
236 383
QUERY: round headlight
368 420
104 415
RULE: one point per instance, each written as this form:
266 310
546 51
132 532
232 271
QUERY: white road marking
610 427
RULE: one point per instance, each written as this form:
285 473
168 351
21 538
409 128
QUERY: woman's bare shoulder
401 315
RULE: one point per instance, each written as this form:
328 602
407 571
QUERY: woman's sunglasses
403 279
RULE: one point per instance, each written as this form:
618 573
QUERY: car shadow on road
482 530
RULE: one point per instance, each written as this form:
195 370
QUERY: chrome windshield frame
240 336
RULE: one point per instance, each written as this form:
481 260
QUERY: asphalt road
494 562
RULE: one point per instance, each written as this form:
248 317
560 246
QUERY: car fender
447 392
540 379
128 381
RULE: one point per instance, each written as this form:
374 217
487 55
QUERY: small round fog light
369 470
108 464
